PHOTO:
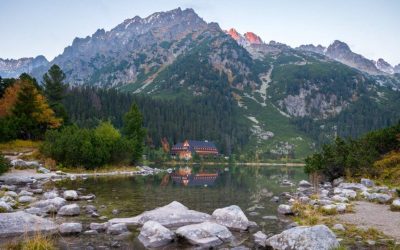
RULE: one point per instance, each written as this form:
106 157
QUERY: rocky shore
28 206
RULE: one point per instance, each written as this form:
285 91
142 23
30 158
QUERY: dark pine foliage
209 117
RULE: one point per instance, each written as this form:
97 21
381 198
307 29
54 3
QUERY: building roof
196 144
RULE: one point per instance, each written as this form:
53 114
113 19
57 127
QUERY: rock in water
70 228
70 195
232 217
153 234
20 223
69 210
285 209
260 238
206 234
173 214
117 229
318 237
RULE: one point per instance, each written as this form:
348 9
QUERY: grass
19 146
36 242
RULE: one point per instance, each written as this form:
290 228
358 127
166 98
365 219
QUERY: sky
45 27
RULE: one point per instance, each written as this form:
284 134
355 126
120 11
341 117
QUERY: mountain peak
252 38
339 45
384 66
247 39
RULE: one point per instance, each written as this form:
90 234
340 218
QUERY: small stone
338 227
90 209
98 226
371 242
367 182
115 211
304 183
270 217
91 232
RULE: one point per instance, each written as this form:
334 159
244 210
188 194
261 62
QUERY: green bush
90 148
4 164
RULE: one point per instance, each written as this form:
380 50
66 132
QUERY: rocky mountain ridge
15 67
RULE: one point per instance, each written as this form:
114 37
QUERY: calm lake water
201 188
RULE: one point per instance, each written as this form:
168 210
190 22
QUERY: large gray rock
396 204
25 193
57 202
304 184
69 210
381 198
70 228
206 234
318 237
5 207
50 195
8 187
117 228
232 217
98 226
153 234
353 186
11 194
70 195
22 223
173 214
26 199
367 182
16 180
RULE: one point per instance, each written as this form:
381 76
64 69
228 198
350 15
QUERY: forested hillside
202 118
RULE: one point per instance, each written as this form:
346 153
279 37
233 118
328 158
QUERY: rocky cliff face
15 67
310 47
384 66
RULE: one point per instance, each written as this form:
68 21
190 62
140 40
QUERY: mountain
12 68
291 100
384 66
396 69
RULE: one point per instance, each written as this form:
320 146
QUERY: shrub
4 164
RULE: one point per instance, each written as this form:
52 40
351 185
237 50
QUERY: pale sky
45 27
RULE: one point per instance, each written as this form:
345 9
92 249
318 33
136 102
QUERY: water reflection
185 177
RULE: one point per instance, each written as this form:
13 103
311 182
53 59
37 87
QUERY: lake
201 188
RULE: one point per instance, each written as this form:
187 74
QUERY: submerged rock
173 214
232 217
206 234
22 223
153 234
70 228
317 237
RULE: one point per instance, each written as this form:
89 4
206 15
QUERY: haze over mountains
290 98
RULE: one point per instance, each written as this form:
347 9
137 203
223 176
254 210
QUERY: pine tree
54 89
134 131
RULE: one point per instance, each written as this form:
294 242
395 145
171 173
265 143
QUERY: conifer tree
54 89
134 131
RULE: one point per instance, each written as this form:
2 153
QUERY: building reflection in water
185 177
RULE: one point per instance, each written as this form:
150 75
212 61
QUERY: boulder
34 210
153 234
50 195
318 237
11 194
304 200
25 193
22 223
381 198
116 229
9 200
8 187
367 182
304 184
172 215
285 209
69 210
26 199
5 207
70 195
337 182
324 202
43 170
348 193
206 234
260 238
341 207
16 180
339 198
57 202
90 209
231 217
70 228
396 204
353 186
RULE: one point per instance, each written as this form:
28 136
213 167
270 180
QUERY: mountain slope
12 68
